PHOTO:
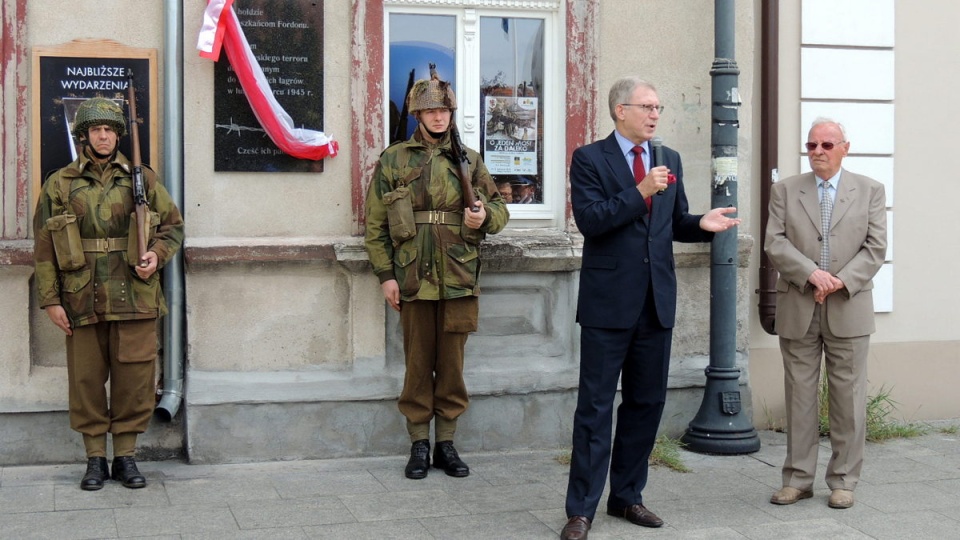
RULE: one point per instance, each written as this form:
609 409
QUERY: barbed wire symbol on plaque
234 127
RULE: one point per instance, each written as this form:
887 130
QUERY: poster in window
510 144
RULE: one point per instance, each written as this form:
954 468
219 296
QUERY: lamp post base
720 426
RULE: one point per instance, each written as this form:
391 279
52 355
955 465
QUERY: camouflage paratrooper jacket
106 287
440 261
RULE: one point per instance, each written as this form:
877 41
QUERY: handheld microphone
656 154
656 151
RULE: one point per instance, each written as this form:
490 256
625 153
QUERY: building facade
286 348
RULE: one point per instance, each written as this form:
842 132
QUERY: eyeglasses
827 146
645 107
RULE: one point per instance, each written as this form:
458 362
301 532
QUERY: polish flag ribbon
221 29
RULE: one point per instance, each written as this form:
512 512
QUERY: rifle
139 192
463 170
456 145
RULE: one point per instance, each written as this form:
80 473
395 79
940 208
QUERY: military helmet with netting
97 111
431 93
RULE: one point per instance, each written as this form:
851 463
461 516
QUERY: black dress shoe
575 529
125 470
419 462
445 457
96 474
637 514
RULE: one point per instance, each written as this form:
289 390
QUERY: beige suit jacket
858 243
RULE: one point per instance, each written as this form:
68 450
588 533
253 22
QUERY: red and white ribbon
221 28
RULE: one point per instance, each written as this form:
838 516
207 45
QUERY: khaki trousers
125 353
434 335
846 365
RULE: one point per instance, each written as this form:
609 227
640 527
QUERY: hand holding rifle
139 192
463 171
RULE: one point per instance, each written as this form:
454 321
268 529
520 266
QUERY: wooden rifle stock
139 192
463 169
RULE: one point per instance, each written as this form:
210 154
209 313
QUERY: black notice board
65 76
286 38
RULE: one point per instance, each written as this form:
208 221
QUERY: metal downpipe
174 334
769 127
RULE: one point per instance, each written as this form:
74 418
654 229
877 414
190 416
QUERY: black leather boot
445 457
125 470
419 462
96 474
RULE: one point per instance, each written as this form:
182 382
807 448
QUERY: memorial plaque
286 38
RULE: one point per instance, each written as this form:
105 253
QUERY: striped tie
826 212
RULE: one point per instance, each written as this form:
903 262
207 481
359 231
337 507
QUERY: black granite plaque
286 37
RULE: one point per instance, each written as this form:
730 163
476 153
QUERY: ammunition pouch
399 203
65 234
132 247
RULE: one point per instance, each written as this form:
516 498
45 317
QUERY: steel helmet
431 93
97 111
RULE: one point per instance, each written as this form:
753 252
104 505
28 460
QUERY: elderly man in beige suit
827 237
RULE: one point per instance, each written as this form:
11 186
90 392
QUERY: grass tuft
880 407
666 453
773 424
949 430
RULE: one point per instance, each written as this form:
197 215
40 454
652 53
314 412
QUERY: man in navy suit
629 214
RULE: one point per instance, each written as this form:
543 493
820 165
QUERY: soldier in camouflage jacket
425 249
105 303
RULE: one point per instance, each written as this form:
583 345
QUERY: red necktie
639 172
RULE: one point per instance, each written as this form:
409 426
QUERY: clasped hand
824 284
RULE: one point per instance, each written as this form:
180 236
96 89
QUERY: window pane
511 90
416 41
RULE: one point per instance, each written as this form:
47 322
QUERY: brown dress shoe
840 498
637 514
575 529
789 495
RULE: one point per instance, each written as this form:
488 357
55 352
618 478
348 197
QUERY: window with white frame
505 70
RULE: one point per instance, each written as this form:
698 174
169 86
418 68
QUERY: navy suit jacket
624 247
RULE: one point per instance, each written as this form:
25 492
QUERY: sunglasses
811 146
